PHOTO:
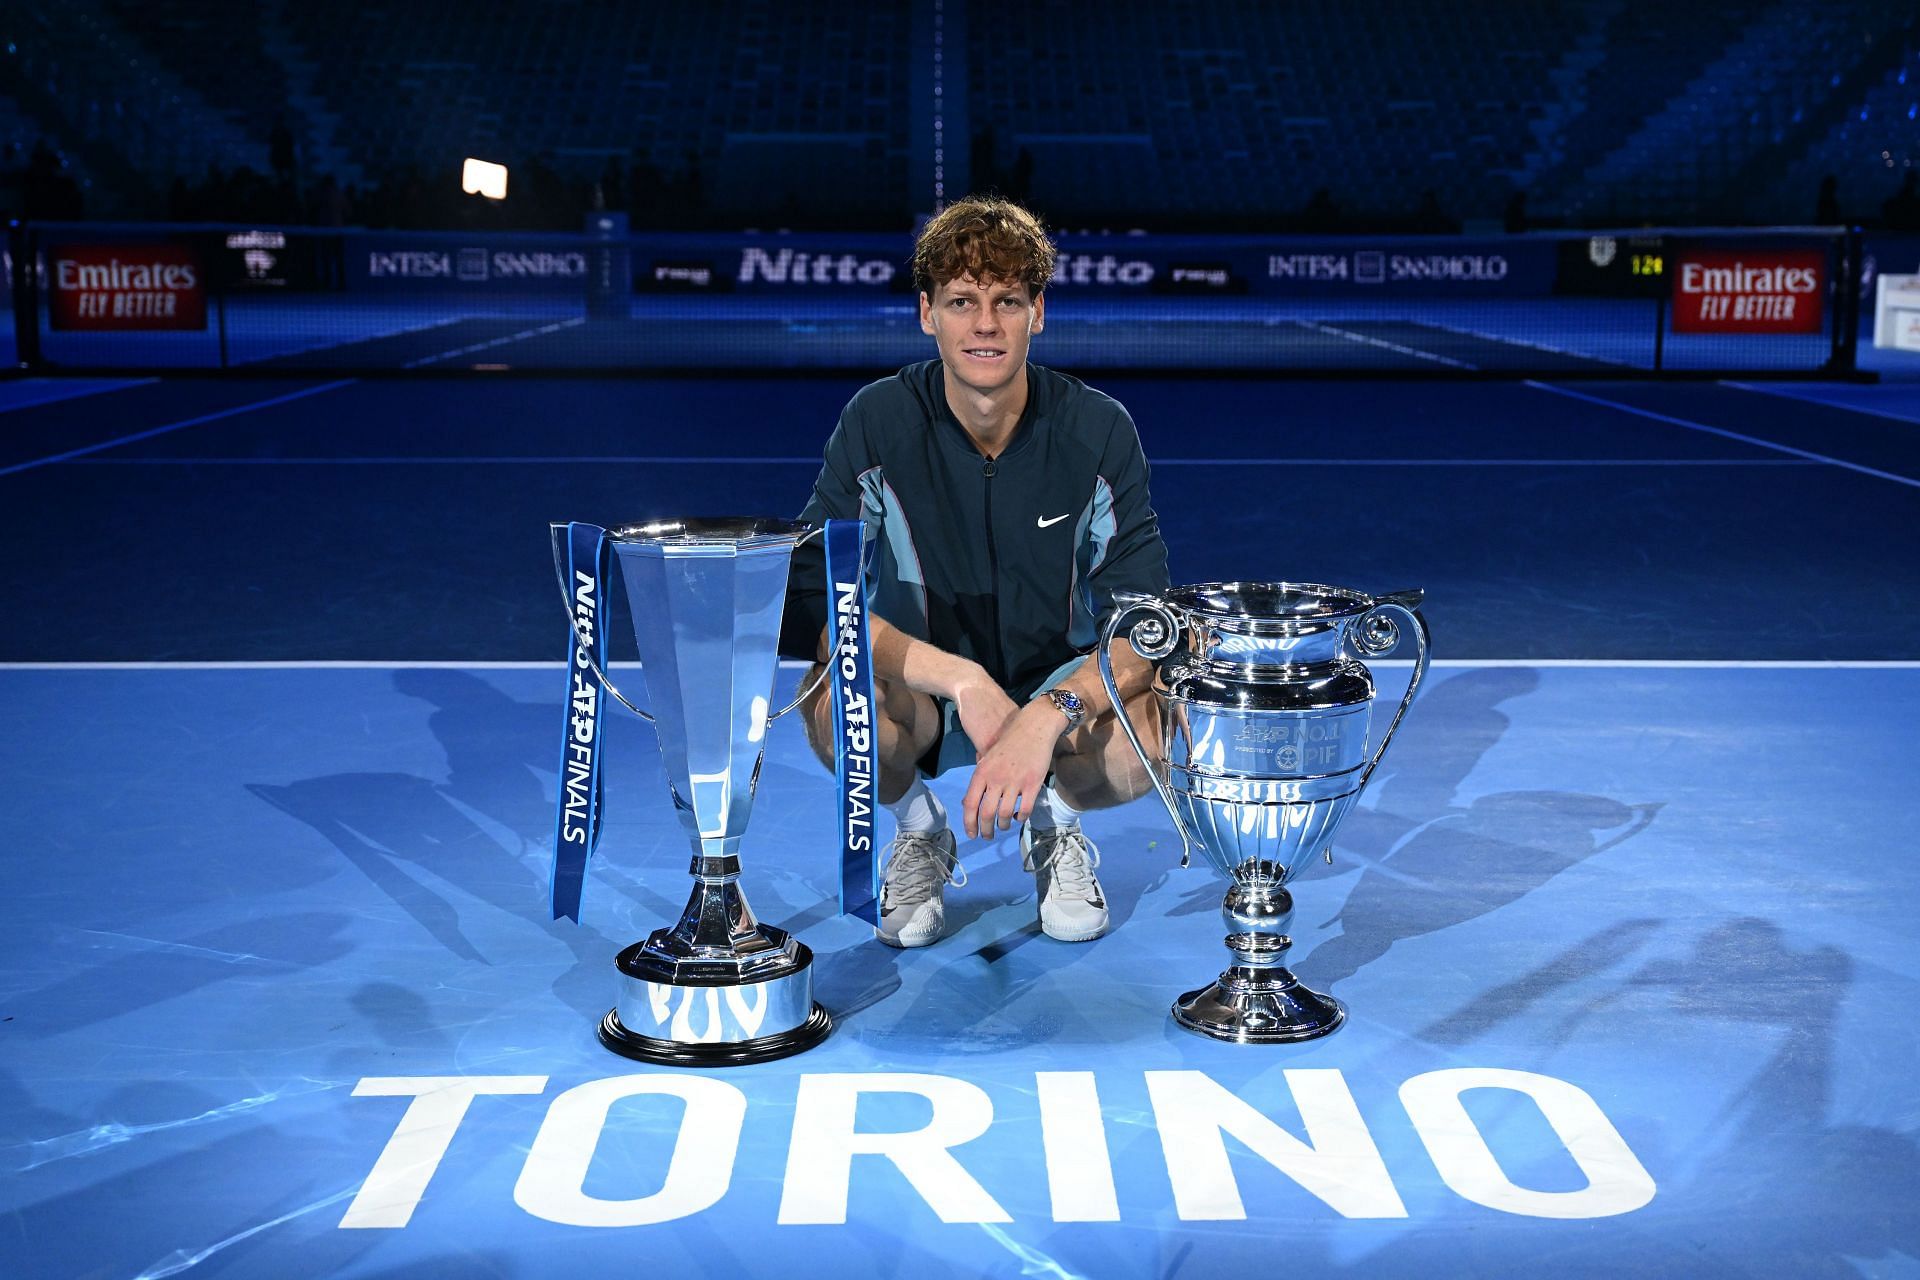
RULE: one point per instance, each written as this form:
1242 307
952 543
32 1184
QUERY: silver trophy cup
1264 708
719 988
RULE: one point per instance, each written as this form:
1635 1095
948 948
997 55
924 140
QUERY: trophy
719 988
1264 707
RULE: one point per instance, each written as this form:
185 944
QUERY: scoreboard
1615 266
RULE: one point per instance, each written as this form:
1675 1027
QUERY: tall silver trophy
718 988
1264 709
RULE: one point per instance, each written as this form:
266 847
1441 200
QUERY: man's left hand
1007 779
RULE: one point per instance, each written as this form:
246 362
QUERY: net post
1659 332
1845 362
217 279
26 296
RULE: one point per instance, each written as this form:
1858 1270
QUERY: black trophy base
1259 1006
738 1053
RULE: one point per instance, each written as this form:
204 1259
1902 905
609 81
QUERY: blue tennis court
1622 923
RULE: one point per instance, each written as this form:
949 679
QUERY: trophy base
1259 1006
739 1053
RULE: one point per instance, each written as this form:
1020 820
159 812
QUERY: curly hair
986 237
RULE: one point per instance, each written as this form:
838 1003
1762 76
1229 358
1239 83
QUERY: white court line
1522 342
794 664
330 344
1909 481
150 432
1371 341
476 347
655 460
1784 394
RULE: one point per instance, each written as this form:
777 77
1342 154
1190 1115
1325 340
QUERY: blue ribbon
577 826
856 737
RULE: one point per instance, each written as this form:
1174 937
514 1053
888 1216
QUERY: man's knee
1100 766
913 718
817 710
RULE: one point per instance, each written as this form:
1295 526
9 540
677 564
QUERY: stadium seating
1189 113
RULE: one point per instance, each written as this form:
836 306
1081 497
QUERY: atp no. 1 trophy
1264 707
718 988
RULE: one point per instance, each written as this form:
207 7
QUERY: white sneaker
1072 908
919 868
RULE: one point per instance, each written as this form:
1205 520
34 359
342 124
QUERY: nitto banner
125 287
1749 290
1113 265
770 264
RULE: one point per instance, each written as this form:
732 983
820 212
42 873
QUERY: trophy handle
1153 638
1377 636
554 529
826 668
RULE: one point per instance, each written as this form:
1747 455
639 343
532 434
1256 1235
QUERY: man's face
982 330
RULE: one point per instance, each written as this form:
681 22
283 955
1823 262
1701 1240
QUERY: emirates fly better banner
126 286
1749 290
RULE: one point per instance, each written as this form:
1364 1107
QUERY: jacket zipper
988 471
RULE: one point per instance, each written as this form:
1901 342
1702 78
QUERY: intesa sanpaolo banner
471 263
156 285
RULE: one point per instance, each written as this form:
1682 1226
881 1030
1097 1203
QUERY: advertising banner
772 264
1749 290
1114 266
159 285
468 264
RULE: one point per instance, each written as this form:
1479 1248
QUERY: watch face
1071 701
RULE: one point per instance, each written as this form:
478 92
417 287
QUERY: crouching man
1010 504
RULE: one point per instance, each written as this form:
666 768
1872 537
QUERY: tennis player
1011 504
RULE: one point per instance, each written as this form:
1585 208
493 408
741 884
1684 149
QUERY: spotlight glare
479 177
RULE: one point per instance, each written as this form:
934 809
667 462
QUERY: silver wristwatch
1070 706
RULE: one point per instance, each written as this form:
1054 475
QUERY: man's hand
1009 775
984 707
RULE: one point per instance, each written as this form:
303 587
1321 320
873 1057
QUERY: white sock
919 810
1051 811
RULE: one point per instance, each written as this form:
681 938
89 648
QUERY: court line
811 461
1484 336
333 344
1909 481
1830 404
1372 341
794 664
61 394
151 432
473 348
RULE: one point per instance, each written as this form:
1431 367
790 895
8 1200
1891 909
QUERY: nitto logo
413 264
1085 268
789 267
1449 266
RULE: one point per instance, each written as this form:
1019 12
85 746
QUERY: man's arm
983 705
1007 781
836 496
